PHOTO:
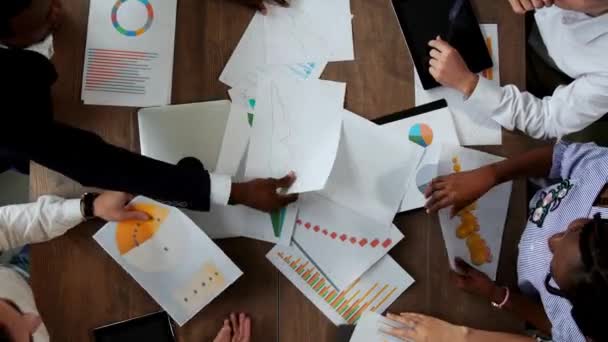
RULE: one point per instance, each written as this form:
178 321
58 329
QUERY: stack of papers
129 53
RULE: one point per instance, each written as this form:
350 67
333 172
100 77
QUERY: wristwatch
87 207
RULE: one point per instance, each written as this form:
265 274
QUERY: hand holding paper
459 190
264 194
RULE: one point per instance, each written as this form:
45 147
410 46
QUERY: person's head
580 270
16 326
592 7
26 22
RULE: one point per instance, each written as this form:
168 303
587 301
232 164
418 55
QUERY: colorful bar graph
351 303
118 71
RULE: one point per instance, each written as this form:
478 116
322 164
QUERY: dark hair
8 10
5 336
589 296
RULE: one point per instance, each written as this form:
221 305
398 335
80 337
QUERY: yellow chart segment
351 303
131 234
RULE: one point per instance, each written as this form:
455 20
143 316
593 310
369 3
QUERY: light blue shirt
580 172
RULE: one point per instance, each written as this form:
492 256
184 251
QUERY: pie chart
132 234
421 134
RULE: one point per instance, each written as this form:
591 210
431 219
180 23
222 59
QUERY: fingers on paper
129 213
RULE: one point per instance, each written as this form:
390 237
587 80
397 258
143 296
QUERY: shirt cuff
221 186
72 212
559 152
486 97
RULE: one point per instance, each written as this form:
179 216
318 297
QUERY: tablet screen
453 20
150 328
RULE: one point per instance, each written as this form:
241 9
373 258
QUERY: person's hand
421 328
264 194
477 283
259 4
237 329
449 69
113 206
523 6
459 189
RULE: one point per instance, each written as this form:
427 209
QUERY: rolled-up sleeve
570 109
47 218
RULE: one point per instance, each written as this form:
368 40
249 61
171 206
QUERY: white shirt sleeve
221 186
569 110
41 221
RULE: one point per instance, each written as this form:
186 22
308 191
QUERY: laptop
454 20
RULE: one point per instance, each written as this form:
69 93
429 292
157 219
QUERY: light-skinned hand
421 328
449 69
113 206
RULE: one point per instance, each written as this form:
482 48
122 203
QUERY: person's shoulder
22 63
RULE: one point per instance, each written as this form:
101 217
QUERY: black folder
454 20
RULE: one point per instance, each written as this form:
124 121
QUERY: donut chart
421 134
139 31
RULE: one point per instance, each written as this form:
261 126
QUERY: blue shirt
580 172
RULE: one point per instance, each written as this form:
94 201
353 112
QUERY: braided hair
8 10
590 294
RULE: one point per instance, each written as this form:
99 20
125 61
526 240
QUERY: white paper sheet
307 32
490 210
375 291
171 258
129 53
236 140
473 127
342 243
371 169
249 60
368 329
296 128
230 221
425 133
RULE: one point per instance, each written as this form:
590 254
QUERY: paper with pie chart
340 242
170 257
427 132
129 53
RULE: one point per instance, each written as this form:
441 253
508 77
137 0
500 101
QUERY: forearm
525 309
536 163
89 160
44 220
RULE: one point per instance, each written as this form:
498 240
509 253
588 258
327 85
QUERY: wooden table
79 287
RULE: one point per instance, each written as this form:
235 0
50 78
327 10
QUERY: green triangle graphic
250 117
278 219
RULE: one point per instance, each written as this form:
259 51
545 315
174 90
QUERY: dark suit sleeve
28 130
87 159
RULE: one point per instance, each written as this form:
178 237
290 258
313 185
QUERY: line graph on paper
294 33
280 148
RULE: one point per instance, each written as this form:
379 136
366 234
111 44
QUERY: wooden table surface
79 287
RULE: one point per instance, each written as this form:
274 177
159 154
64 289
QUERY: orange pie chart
132 234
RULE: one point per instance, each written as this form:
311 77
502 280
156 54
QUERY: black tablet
454 20
156 327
